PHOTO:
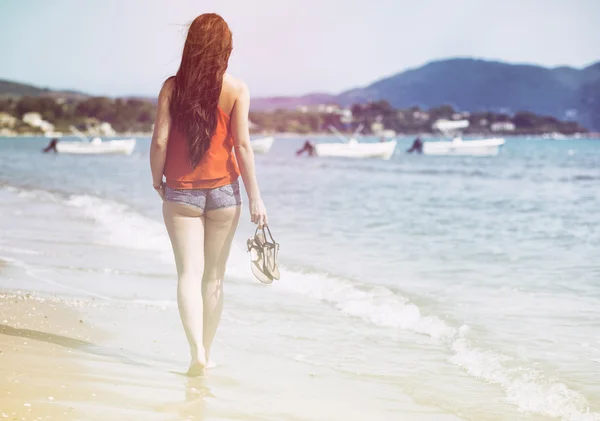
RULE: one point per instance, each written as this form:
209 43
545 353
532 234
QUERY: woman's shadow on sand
196 389
68 342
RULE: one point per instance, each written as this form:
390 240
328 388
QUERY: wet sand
51 368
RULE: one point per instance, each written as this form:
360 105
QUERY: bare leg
185 225
220 226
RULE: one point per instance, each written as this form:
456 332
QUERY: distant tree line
123 114
137 115
382 115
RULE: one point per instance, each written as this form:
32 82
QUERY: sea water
468 287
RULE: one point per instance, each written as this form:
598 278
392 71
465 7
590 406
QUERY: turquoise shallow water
470 286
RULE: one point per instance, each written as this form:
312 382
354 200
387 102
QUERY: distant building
106 129
502 126
377 127
7 120
421 115
320 108
35 120
6 132
347 116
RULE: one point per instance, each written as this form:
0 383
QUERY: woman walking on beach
200 137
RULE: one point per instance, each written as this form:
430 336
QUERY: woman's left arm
160 137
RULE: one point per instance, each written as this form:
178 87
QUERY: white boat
97 146
352 148
554 136
262 145
459 147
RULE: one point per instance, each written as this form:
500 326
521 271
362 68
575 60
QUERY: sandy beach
54 368
42 375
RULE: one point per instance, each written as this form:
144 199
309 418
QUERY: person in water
201 145
308 147
51 146
417 146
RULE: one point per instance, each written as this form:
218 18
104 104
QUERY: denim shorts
207 199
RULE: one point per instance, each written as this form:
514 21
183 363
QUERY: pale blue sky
118 47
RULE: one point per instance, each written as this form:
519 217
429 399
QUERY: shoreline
289 135
54 367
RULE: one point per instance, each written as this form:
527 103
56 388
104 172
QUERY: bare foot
197 369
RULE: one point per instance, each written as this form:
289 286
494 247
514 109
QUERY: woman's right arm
245 155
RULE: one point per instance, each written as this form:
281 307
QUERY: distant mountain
16 89
466 84
477 85
589 95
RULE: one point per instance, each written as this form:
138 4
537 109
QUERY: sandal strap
268 230
263 245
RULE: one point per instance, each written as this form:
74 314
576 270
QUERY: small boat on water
263 145
352 148
355 149
97 146
459 147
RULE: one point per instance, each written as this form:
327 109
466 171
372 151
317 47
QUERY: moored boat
97 146
352 148
262 145
459 147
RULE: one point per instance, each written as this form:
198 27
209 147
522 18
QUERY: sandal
263 256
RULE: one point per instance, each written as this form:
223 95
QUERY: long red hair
198 82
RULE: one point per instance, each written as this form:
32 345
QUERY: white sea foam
379 306
17 250
527 388
124 227
38 275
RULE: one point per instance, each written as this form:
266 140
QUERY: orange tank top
217 167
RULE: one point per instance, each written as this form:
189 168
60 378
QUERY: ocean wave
118 224
378 305
17 250
122 226
581 177
390 168
527 388
39 275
